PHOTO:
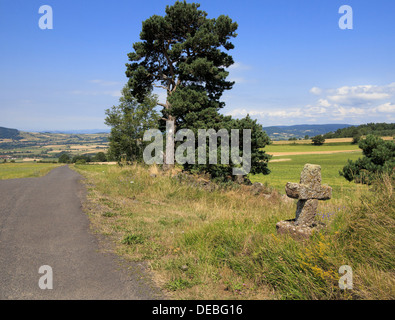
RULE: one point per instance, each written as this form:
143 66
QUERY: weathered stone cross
308 192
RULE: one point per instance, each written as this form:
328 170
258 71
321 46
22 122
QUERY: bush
64 158
83 158
100 157
318 140
356 139
80 161
379 158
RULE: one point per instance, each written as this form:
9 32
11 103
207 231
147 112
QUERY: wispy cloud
237 72
105 83
359 103
113 93
316 90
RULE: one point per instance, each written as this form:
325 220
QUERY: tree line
379 129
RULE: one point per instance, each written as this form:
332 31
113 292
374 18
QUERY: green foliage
100 157
129 120
379 158
131 239
64 158
356 138
318 140
178 284
222 172
81 159
182 53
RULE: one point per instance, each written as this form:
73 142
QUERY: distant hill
380 129
82 131
300 131
6 133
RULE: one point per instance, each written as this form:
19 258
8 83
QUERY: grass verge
223 244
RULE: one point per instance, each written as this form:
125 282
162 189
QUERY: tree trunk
168 163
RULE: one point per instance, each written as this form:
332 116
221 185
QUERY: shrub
318 140
379 158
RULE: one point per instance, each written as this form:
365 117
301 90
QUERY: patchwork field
48 146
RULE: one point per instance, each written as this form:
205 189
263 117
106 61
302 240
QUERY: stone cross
308 192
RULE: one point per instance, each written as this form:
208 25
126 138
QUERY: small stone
184 267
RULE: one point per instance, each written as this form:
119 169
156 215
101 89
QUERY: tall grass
222 244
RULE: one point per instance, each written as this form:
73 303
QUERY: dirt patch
280 160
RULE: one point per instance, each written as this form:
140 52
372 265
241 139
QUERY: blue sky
294 65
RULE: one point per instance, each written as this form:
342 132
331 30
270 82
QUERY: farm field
25 170
48 146
289 171
277 149
330 141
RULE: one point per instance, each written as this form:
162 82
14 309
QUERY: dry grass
223 244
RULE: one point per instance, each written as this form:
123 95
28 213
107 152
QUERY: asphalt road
42 224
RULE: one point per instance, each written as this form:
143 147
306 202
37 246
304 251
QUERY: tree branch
161 87
162 105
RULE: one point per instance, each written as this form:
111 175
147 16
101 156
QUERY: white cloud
363 94
113 93
351 104
283 114
106 83
386 108
238 66
316 91
348 112
237 72
323 103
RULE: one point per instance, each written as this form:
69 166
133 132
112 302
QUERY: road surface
42 224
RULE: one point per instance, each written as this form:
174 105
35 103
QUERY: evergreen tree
379 158
185 54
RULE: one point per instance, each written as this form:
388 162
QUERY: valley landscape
243 154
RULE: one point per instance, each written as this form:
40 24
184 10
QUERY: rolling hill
300 131
6 133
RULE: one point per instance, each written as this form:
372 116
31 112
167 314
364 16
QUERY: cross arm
303 192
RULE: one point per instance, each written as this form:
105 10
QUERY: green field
310 148
25 170
289 171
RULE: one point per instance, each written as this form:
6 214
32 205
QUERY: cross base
298 231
